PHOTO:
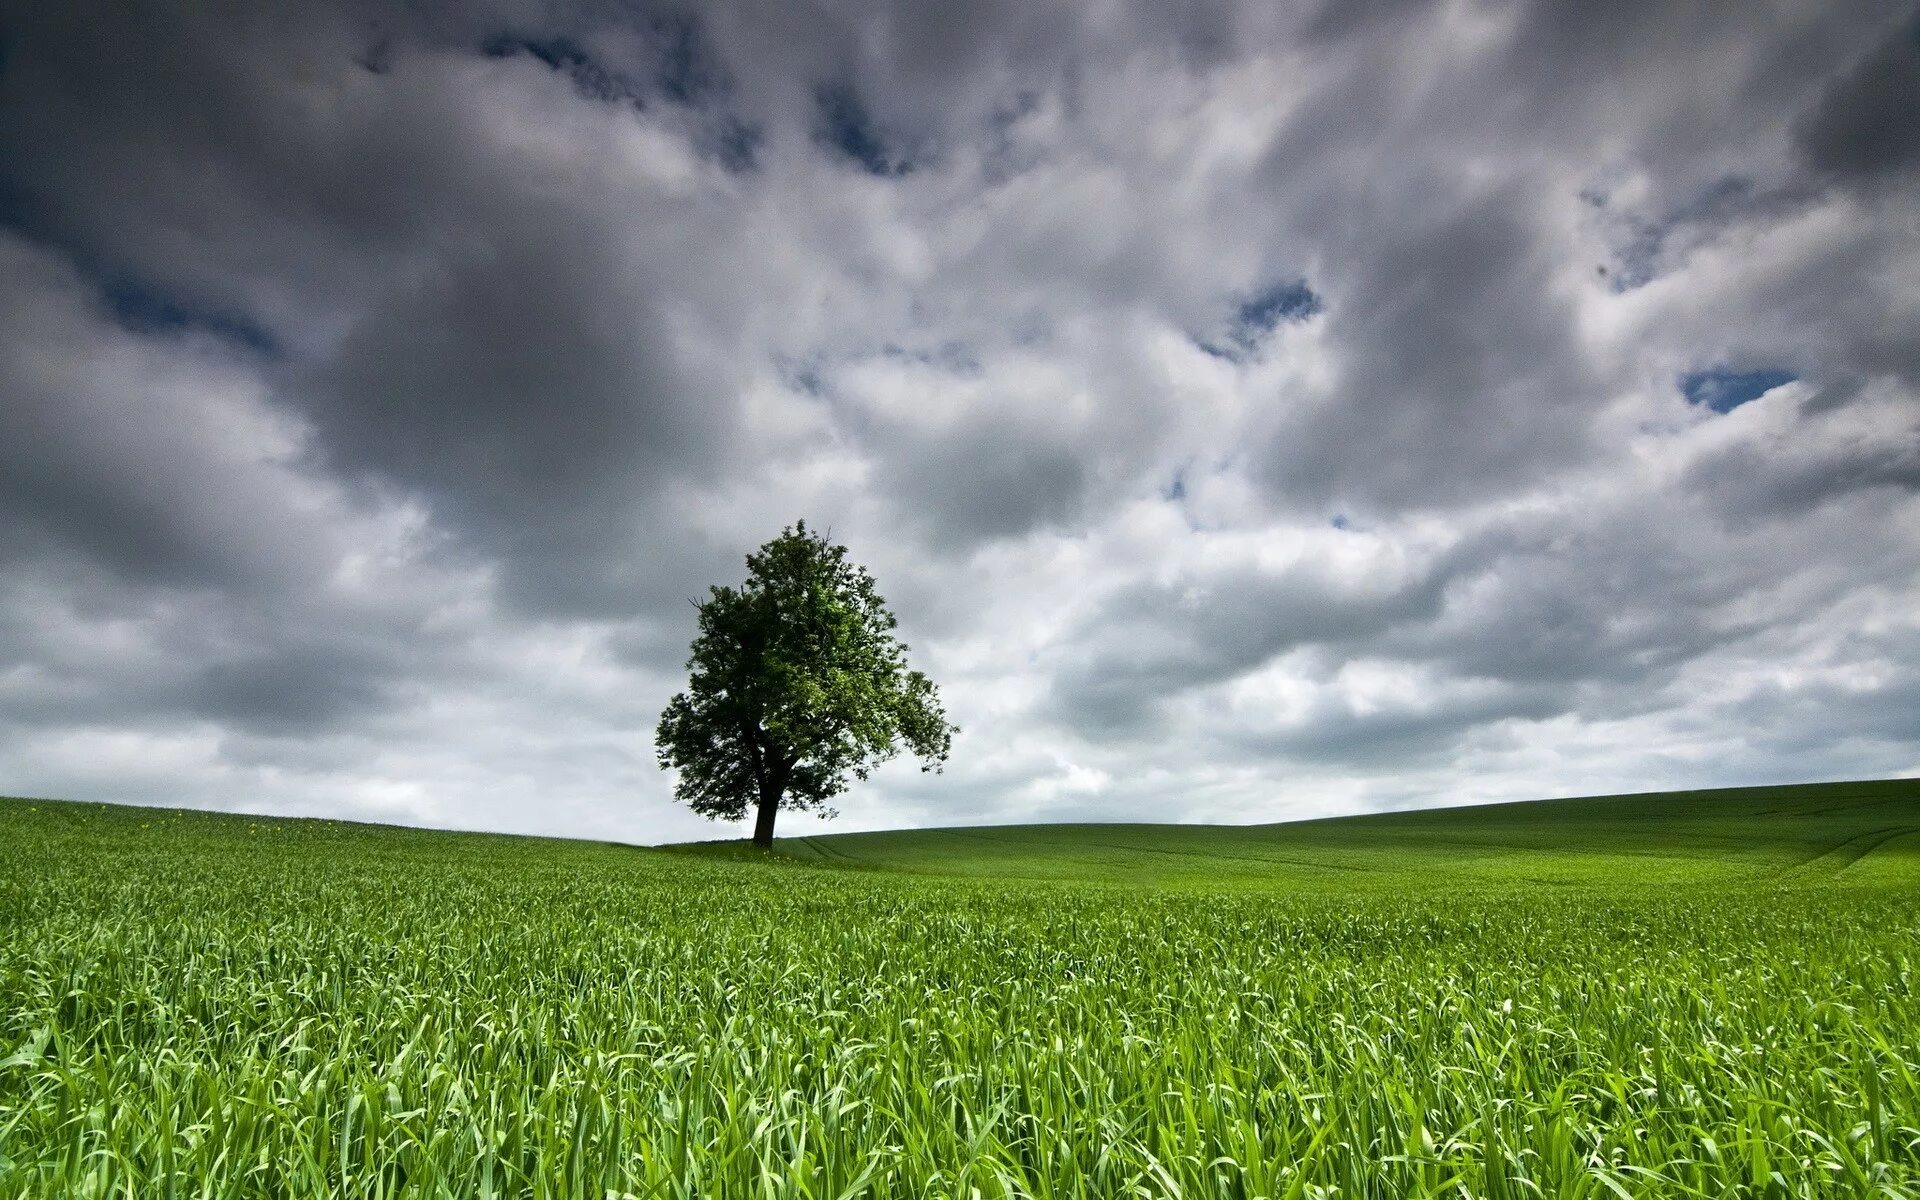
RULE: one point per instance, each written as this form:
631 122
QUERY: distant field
1708 994
1848 832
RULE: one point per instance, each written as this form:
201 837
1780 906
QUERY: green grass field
1708 994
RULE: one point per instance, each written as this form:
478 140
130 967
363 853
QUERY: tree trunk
763 826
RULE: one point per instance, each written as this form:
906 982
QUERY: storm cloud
1251 411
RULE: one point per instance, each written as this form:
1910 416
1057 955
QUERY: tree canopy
796 685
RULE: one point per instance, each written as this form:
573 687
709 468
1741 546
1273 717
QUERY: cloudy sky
1252 411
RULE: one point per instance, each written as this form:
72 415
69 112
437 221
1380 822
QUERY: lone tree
797 682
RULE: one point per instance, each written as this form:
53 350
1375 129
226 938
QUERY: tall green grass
212 1006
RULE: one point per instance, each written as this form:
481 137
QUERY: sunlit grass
1724 1005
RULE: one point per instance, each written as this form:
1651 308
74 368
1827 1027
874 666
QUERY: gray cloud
291 689
1866 126
140 465
1158 640
1748 487
524 389
988 484
1469 379
1421 732
1252 412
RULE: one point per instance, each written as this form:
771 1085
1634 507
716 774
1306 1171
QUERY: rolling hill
1707 994
1856 832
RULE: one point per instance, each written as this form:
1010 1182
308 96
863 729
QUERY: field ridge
1784 834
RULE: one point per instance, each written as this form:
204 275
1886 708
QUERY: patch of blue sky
1723 390
1647 246
733 143
953 356
844 124
690 71
568 57
1258 315
145 310
1281 303
802 374
136 304
685 72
